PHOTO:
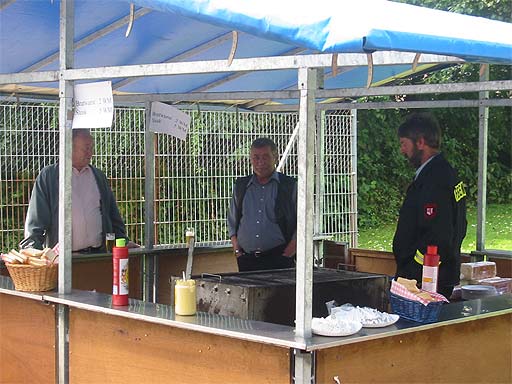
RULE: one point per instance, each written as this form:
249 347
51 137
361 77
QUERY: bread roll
18 256
32 252
7 258
36 261
50 254
409 284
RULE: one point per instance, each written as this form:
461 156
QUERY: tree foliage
383 173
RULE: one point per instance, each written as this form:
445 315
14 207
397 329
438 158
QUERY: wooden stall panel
96 274
27 341
370 261
111 349
478 351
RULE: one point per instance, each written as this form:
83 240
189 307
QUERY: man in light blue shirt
262 219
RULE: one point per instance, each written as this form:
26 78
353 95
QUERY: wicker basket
414 310
33 278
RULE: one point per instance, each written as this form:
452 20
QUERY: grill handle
211 275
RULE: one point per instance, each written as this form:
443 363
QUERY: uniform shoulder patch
459 192
430 210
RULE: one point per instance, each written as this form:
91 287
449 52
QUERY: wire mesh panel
194 178
340 178
119 152
28 142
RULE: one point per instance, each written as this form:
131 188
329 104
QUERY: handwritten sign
168 119
94 105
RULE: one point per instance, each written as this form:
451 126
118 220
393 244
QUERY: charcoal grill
270 295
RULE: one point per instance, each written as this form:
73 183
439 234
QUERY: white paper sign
168 119
94 106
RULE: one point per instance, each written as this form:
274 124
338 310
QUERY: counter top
258 331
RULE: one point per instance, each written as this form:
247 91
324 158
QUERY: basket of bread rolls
412 303
32 269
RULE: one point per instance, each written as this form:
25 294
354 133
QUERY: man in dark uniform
434 209
262 219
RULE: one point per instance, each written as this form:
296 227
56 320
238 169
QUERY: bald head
83 145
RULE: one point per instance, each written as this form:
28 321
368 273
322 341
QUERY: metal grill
193 178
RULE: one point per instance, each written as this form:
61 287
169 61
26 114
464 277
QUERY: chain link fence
193 178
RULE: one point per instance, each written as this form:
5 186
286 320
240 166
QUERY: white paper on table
168 119
94 105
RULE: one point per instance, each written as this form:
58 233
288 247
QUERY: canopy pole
483 125
66 61
307 84
150 261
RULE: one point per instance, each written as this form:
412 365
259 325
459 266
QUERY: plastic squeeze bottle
120 275
430 269
185 297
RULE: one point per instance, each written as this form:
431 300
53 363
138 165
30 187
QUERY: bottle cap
432 249
121 242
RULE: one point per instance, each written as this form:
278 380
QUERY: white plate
323 327
391 319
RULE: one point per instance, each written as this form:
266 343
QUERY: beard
415 159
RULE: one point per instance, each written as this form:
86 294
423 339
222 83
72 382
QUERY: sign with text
94 105
168 119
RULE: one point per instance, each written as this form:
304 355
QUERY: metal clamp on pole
321 237
318 249
302 366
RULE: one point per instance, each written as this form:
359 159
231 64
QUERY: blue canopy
354 26
195 30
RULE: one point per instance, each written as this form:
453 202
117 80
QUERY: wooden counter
27 340
471 352
112 349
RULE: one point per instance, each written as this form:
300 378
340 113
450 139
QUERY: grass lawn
498 231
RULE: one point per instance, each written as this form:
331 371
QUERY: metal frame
66 54
483 120
307 75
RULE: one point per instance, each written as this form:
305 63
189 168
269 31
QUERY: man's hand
290 249
131 244
236 247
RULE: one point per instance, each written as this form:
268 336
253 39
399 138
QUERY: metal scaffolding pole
66 55
305 210
483 125
149 267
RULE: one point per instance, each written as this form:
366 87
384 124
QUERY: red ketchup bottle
120 266
430 269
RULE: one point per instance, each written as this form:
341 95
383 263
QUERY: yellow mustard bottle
185 297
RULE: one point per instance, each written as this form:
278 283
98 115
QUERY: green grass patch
498 231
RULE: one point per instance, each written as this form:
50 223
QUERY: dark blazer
433 213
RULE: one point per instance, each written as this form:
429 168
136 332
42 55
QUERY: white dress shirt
86 219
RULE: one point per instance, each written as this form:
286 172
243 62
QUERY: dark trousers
446 291
271 259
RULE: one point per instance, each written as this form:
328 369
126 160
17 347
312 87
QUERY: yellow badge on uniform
459 191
